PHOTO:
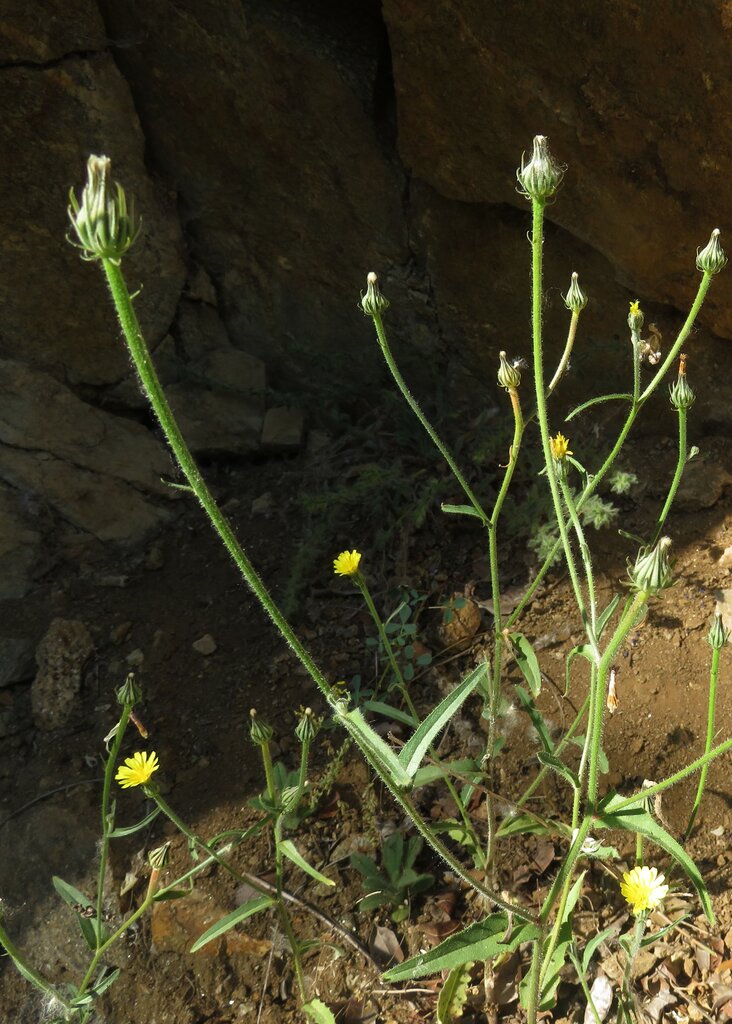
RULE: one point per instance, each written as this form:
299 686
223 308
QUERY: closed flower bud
635 318
260 732
575 299
653 570
158 858
711 259
129 692
718 634
541 176
373 302
509 376
307 727
680 393
104 224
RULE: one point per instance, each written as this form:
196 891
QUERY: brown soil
197 710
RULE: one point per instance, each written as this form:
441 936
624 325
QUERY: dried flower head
347 563
643 888
137 770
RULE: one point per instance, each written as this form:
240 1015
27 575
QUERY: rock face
61 657
279 152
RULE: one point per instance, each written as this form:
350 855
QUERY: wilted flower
137 769
680 393
346 564
643 888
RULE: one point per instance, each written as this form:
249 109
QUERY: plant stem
583 982
680 464
107 822
711 708
559 372
624 999
532 1001
282 910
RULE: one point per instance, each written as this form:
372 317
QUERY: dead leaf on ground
384 946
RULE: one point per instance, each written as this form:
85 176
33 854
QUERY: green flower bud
681 395
158 858
307 727
260 732
718 635
635 318
129 692
509 376
541 176
652 570
373 302
575 299
711 259
103 223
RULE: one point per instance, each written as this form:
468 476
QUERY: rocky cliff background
278 150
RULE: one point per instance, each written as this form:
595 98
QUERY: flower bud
158 858
260 732
129 692
635 318
711 259
680 393
653 570
373 302
575 299
307 727
718 634
509 376
103 223
541 176
559 447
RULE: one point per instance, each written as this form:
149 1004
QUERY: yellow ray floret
136 770
560 447
347 563
635 308
643 888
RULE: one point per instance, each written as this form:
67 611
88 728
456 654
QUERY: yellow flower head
136 770
635 307
347 563
643 889
560 447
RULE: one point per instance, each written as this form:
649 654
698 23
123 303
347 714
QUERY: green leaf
537 719
292 853
596 401
553 762
89 926
583 650
595 941
636 819
527 661
391 855
411 754
378 753
466 766
226 923
128 830
561 950
454 994
648 940
389 711
604 617
463 510
523 824
318 1012
483 940
105 979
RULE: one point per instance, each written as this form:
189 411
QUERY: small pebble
135 658
118 634
205 645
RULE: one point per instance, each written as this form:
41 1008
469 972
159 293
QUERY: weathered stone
204 645
57 314
283 429
16 660
176 924
61 657
216 422
33 33
21 546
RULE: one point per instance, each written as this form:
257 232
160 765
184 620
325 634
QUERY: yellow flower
643 889
635 307
137 769
560 447
347 563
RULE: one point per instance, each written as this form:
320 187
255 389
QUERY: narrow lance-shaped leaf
226 923
454 994
527 661
292 853
376 750
415 748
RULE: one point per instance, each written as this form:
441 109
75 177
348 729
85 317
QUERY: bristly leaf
480 941
596 401
411 754
128 830
636 819
454 994
226 923
553 762
88 925
292 853
537 719
318 1012
376 750
583 650
527 661
463 510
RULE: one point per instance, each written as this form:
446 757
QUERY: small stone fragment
263 504
283 429
135 658
118 634
205 645
16 660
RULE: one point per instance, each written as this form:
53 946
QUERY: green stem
28 972
680 464
711 708
536 782
583 982
532 1001
416 409
107 822
282 910
585 554
559 372
269 772
624 1000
